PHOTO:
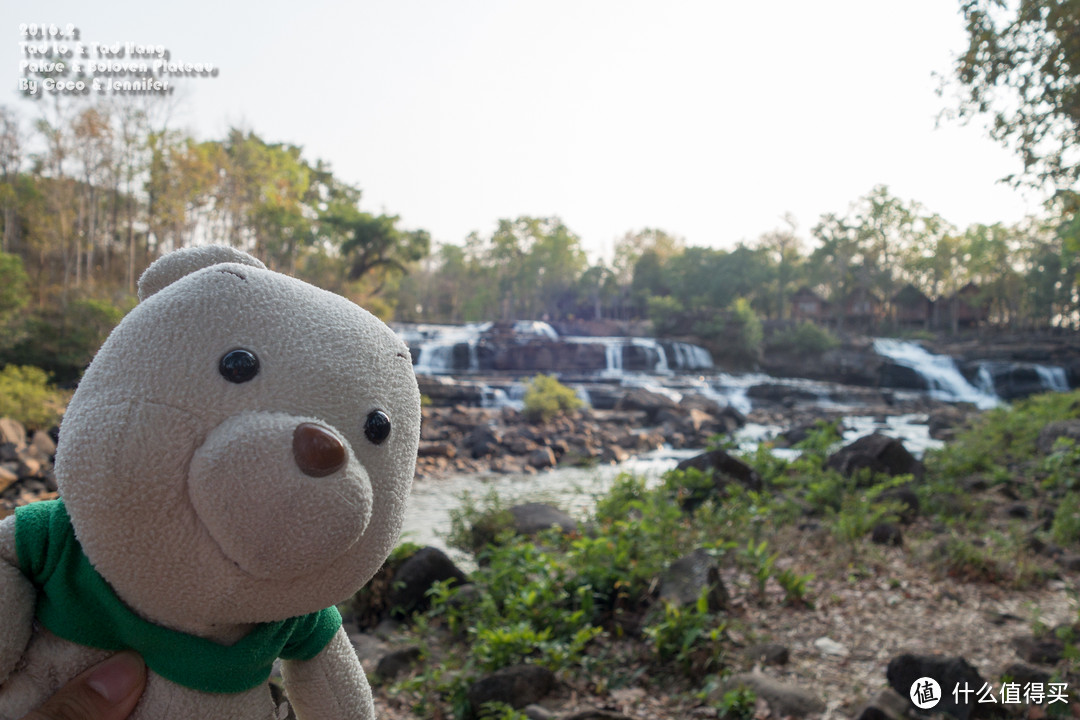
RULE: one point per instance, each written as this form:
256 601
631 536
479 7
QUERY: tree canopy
1021 68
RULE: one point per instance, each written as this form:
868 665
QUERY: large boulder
783 699
725 468
415 576
1048 436
517 686
949 672
688 577
645 400
531 518
880 453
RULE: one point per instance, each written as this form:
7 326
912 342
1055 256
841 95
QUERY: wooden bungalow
965 308
862 307
912 308
808 305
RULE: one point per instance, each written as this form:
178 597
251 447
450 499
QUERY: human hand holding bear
237 459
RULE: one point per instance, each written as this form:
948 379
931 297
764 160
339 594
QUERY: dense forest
91 193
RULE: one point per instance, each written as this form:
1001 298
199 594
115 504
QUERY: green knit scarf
75 603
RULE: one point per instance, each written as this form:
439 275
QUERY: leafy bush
473 527
13 285
27 396
735 335
63 342
1066 527
1006 436
546 398
803 339
666 313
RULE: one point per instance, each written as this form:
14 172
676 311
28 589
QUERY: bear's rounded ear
169 268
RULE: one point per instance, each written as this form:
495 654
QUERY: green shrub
547 398
733 336
64 341
803 339
27 396
13 285
1066 527
666 314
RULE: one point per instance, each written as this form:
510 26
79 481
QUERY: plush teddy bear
236 459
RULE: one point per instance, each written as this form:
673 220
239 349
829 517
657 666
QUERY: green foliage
735 336
14 290
27 396
546 398
795 586
665 312
687 636
1005 438
1066 527
806 338
1019 69
473 527
64 341
499 711
737 704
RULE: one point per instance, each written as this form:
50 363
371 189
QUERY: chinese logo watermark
925 693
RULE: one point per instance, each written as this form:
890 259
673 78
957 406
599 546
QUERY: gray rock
649 402
880 453
1024 673
482 441
885 533
686 578
888 705
782 698
949 672
531 518
43 445
725 468
416 575
12 431
768 654
517 686
397 662
1041 651
1069 429
7 478
906 498
542 458
537 712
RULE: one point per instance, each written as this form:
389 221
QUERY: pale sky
709 120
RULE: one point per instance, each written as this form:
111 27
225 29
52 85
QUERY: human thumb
107 691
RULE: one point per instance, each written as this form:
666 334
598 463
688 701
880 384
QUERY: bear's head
242 446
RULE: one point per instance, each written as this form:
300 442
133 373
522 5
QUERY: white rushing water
944 378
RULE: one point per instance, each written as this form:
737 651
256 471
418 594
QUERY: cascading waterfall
940 371
1053 378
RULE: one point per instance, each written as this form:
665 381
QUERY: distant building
965 308
862 307
911 307
808 305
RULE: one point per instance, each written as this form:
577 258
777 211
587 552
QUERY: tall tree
1022 68
784 249
11 152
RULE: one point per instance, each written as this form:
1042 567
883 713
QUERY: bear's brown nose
317 451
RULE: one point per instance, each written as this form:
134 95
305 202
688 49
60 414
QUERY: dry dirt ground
875 602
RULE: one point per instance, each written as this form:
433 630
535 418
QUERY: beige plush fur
185 494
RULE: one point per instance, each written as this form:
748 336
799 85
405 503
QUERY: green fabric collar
75 603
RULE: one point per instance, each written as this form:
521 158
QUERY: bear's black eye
239 366
377 426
